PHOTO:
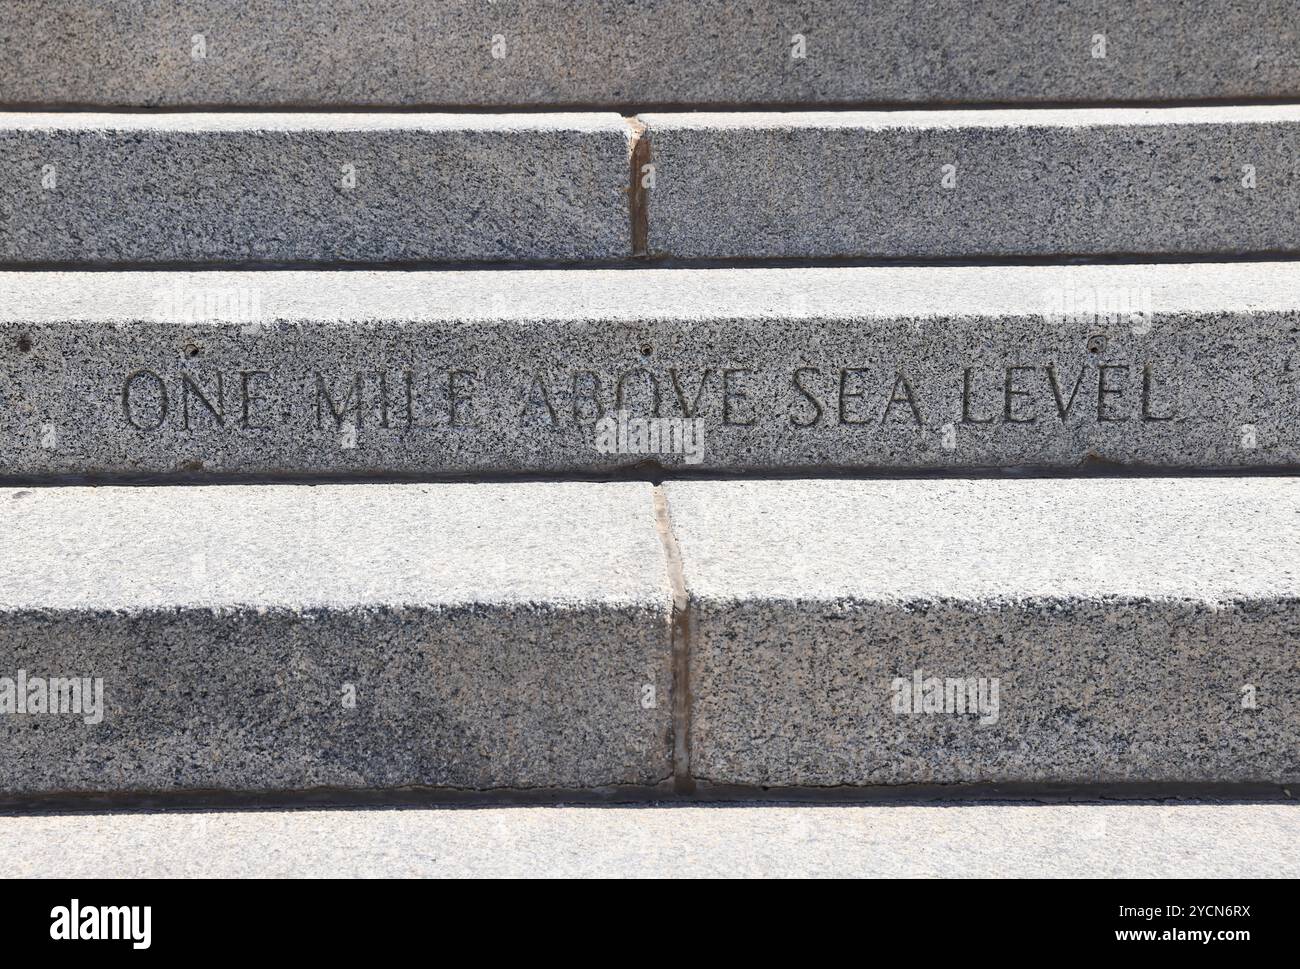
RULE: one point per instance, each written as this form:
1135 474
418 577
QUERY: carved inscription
200 400
256 400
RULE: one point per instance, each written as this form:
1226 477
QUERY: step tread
330 547
950 118
844 841
216 122
991 542
563 295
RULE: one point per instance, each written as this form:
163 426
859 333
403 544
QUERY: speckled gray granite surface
1102 631
509 637
250 188
289 638
1188 366
767 841
271 52
975 183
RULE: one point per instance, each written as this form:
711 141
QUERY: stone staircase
566 400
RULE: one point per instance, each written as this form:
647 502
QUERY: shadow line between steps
644 107
645 473
661 261
951 795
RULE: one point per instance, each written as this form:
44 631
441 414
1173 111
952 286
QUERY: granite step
347 637
651 372
533 639
1050 631
611 53
129 189
974 183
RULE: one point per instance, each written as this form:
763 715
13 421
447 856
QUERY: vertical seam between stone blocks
637 201
682 627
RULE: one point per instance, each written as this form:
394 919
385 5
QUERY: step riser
835 380
473 697
689 52
327 188
1086 693
965 185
